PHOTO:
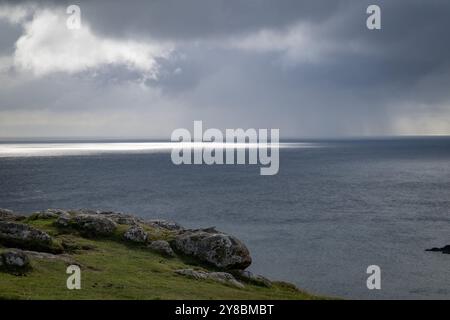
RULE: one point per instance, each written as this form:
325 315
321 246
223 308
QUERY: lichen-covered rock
51 257
56 212
121 218
63 220
87 224
164 224
77 212
222 277
162 247
47 214
8 215
216 248
117 217
250 277
26 237
14 260
136 234
94 225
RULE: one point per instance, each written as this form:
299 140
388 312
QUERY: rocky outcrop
208 246
14 261
136 234
26 237
162 247
87 224
47 214
222 277
117 217
445 249
213 247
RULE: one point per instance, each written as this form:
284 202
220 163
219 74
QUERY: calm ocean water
331 211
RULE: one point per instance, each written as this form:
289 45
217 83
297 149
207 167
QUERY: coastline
122 256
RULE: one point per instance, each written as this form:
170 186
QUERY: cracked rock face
213 247
136 234
25 237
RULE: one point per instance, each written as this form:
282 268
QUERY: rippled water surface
334 208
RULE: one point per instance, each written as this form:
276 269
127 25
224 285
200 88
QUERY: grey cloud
400 72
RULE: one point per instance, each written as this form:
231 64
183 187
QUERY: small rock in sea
250 277
445 249
222 277
213 247
14 260
26 237
136 234
162 247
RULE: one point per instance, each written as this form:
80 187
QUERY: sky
144 68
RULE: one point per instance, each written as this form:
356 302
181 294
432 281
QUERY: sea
335 207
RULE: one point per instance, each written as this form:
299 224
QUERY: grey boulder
136 234
213 247
162 247
87 224
47 214
64 220
8 215
14 260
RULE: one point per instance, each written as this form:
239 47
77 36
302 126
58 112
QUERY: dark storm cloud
412 44
342 80
180 20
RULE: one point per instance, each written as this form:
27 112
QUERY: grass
113 269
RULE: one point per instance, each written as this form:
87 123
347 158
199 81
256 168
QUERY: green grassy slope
112 269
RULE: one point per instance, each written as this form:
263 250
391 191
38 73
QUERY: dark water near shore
329 213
